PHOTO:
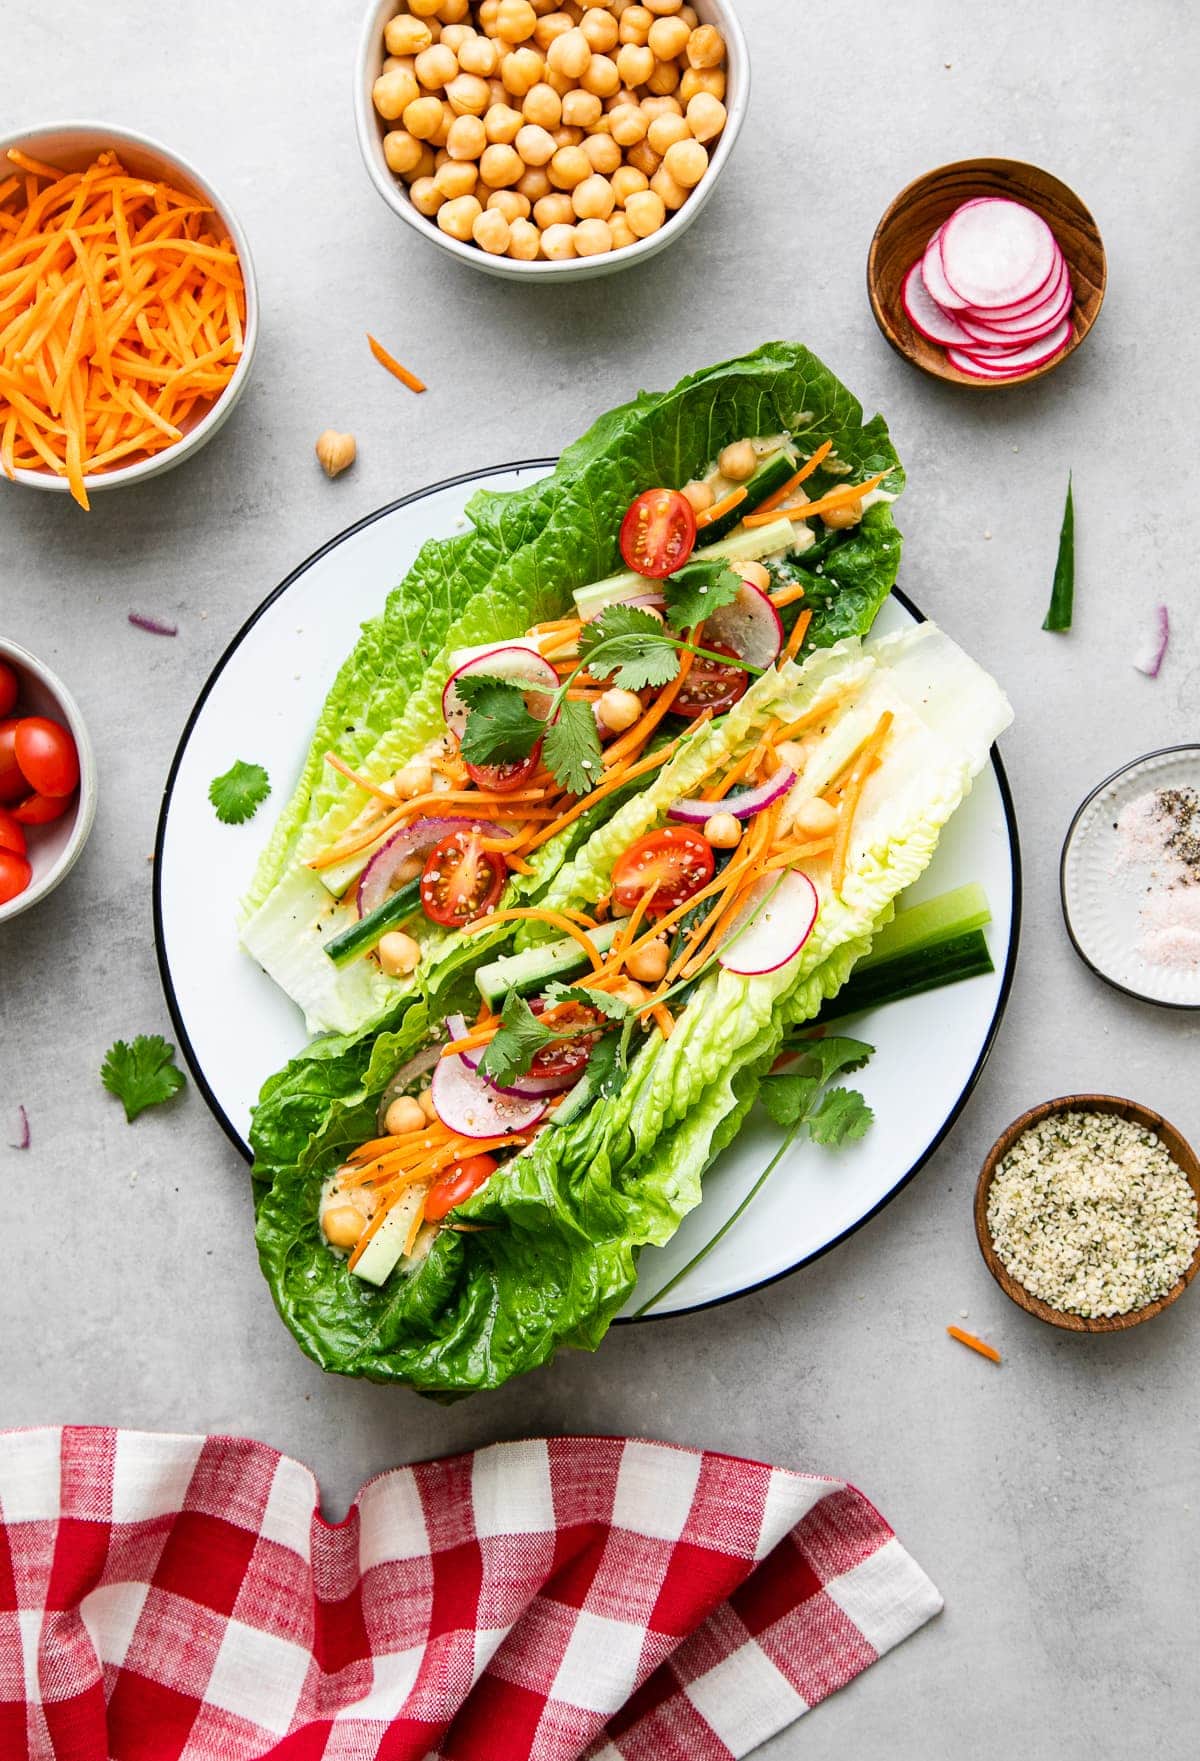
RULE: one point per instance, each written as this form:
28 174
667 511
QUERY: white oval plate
236 1027
1101 895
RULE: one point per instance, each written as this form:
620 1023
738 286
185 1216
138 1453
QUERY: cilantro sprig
239 793
522 1034
141 1073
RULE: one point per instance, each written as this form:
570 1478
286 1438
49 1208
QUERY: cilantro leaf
572 748
629 645
558 992
515 1044
698 589
239 794
603 1075
787 1098
141 1074
835 1055
499 726
841 1116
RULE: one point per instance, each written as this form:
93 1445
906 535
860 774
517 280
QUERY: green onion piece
1062 594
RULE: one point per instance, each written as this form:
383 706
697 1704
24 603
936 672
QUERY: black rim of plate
1098 971
193 1063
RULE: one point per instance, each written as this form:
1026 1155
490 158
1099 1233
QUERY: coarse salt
1160 833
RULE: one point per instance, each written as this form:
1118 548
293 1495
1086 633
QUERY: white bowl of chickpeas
563 138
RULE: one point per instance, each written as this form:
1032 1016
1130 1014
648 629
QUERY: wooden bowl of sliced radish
986 272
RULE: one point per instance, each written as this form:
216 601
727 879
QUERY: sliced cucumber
776 470
362 936
739 547
531 971
386 1246
926 968
918 927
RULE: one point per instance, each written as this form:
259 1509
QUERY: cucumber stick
776 470
918 927
532 969
906 975
362 936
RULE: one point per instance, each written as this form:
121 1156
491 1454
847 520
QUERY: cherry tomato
47 756
711 687
677 863
12 783
461 881
658 533
456 1185
501 779
12 833
15 875
8 688
562 1057
41 809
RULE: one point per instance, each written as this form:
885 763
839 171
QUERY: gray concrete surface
1052 1500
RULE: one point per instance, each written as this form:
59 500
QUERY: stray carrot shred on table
394 366
122 314
973 1344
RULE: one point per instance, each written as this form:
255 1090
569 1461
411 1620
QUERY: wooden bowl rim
1177 1147
1019 170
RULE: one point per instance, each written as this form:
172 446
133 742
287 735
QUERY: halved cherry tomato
9 687
461 881
677 863
12 782
711 687
501 778
46 754
12 833
41 809
456 1185
658 533
15 875
562 1057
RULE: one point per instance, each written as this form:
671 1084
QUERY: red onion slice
465 1103
377 878
24 1139
152 626
744 805
1151 660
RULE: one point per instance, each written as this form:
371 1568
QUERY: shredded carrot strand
799 631
393 366
556 920
793 483
979 1345
786 596
663 1019
719 509
852 795
607 788
837 498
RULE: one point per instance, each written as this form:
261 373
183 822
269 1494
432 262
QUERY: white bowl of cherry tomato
47 781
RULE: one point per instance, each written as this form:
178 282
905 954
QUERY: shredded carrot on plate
394 366
979 1345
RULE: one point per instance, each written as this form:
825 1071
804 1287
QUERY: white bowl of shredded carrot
128 309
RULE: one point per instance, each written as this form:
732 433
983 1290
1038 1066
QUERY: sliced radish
773 926
527 1088
1050 290
378 878
924 313
1012 362
1018 331
743 805
934 277
512 660
749 628
465 1103
995 252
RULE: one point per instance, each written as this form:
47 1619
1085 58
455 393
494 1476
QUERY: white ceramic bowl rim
193 438
567 268
85 807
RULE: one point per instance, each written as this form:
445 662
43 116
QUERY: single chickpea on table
550 128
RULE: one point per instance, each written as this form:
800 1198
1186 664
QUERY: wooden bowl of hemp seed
1087 1212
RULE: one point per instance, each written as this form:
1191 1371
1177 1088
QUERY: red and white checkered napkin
168 1597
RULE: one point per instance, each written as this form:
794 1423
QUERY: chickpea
649 964
815 818
705 47
497 91
524 241
645 212
635 63
633 26
569 166
559 82
628 124
622 232
402 151
601 77
618 709
663 8
457 218
456 178
699 494
723 831
452 12
502 123
427 198
442 135
664 79
603 153
467 138
535 184
668 38
643 158
601 30
343 1225
427 1107
515 20
661 104
664 131
756 574
510 204
414 778
558 242
542 106
702 79
567 137
689 15
554 210
570 54
487 16
455 35
633 994
592 238
436 67
581 109
404 1114
673 194
622 96
468 95
792 753
840 519
491 232
480 56
423 118
423 8
393 92
535 145
593 199
406 35
706 116
687 162
399 64
521 70
500 167
737 461
549 26
398 953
